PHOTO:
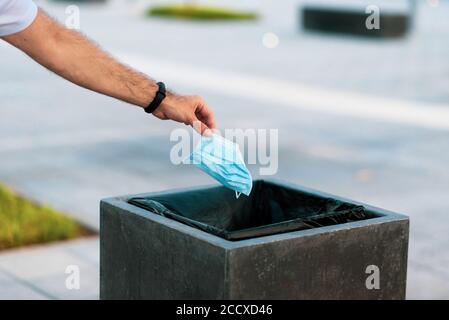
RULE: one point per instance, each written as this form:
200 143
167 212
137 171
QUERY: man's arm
77 59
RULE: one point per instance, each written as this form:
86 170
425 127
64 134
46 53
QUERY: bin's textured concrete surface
147 256
67 147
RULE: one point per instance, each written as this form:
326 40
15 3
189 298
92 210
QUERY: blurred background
365 117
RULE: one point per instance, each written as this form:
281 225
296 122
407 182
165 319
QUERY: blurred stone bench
350 17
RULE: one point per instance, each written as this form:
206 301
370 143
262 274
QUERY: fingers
205 114
201 128
190 110
204 119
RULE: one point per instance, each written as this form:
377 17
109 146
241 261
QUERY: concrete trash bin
282 242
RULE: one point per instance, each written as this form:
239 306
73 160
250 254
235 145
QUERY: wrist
166 106
168 101
159 97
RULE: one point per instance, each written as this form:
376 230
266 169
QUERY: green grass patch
199 12
23 222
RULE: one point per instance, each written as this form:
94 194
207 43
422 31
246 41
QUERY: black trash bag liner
269 209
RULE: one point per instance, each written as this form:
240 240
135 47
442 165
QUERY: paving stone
56 285
12 289
39 262
40 271
426 284
15 291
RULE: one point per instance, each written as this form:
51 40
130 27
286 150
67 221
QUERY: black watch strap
160 95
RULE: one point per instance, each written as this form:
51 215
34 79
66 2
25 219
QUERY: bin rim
382 216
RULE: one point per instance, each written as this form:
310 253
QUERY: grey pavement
40 272
67 147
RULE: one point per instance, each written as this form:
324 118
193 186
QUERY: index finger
205 115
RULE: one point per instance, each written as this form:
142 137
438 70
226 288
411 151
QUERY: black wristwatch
160 95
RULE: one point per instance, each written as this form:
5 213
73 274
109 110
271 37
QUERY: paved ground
67 147
41 272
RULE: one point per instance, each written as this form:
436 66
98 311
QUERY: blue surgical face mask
222 160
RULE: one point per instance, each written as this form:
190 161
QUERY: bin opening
270 209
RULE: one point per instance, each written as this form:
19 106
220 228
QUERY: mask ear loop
237 194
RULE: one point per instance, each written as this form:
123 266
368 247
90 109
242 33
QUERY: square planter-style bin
282 242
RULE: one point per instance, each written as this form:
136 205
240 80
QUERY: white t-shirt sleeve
16 15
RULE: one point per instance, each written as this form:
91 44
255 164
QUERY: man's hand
77 59
188 110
